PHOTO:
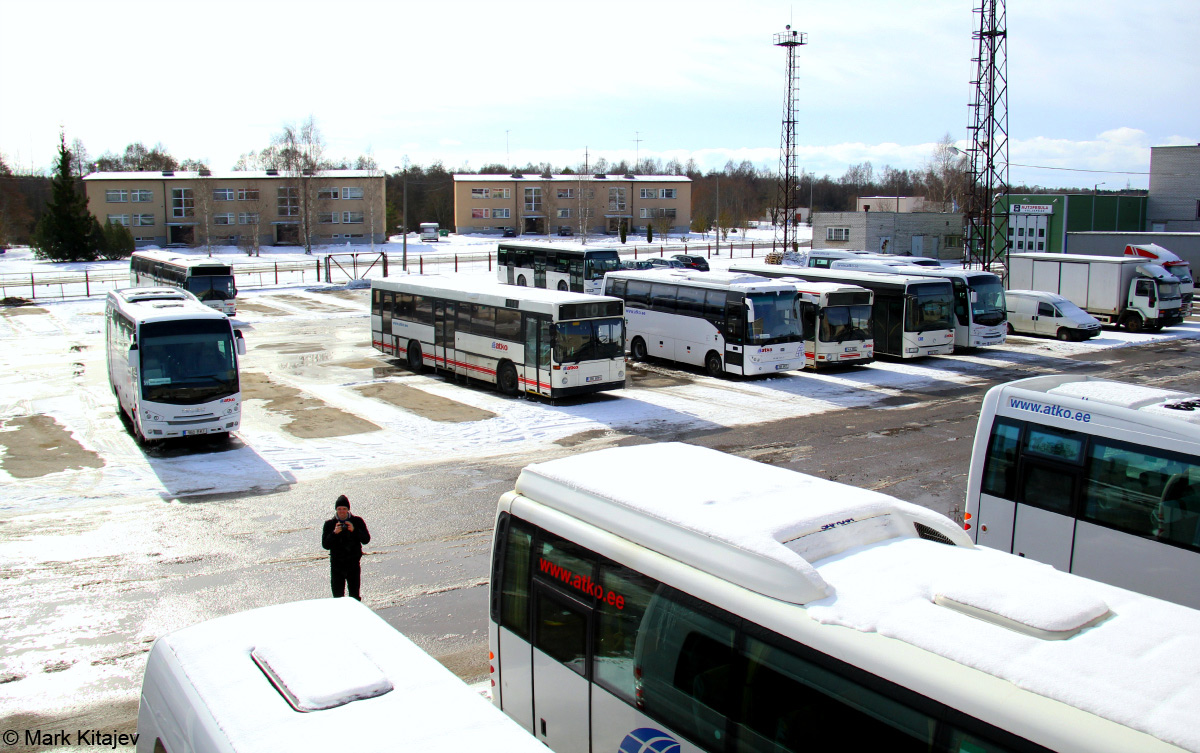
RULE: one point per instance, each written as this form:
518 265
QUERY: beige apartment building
225 208
566 204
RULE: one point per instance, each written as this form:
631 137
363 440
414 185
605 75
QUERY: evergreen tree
66 231
622 230
118 242
649 232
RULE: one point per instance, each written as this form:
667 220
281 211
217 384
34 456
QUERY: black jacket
345 546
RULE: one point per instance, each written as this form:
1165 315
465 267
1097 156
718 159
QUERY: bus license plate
782 366
195 431
593 378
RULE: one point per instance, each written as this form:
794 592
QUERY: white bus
837 324
912 315
822 258
673 598
1094 477
981 319
172 363
209 280
727 323
542 342
429 232
573 267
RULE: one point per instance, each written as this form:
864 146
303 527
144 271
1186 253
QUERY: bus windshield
842 323
988 306
589 340
929 308
187 362
599 263
773 317
214 288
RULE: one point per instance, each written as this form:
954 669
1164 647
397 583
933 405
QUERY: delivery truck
1119 291
1171 262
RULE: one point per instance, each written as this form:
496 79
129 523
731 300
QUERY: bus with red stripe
523 340
837 324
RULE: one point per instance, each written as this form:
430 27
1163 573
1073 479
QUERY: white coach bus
209 280
727 323
673 598
543 342
172 363
1094 477
568 267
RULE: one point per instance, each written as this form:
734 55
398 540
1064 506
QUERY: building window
837 233
481 193
533 199
616 199
1020 232
501 214
141 196
116 196
645 212
954 241
501 193
668 212
119 219
481 214
327 193
223 219
566 193
248 218
247 194
288 201
352 218
564 214
1020 245
352 192
648 193
1041 246
1041 232
143 220
222 194
183 203
666 193
327 218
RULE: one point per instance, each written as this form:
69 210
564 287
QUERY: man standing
344 536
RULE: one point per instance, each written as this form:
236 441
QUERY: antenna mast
987 244
787 201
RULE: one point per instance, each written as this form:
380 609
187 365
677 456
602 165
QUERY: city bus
668 597
429 232
981 318
541 342
912 315
209 280
727 323
1094 477
837 324
172 363
573 267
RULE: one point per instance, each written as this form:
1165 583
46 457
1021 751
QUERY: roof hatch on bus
310 680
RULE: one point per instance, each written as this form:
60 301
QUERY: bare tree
946 173
375 214
202 198
254 206
301 151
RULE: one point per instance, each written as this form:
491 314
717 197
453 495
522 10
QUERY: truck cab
1171 262
1156 298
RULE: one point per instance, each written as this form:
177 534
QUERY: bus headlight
151 416
234 409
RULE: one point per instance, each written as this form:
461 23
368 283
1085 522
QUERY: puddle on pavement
654 379
313 305
22 311
310 418
36 446
423 404
258 308
585 436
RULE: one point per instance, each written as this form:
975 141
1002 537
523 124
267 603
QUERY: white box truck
1118 290
1171 262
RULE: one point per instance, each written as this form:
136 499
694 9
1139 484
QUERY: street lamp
404 218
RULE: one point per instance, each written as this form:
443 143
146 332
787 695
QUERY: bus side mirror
974 296
239 342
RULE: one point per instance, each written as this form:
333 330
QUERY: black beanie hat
342 501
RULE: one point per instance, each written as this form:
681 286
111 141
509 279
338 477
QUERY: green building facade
1040 222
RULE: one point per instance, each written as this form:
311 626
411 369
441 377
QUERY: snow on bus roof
833 274
1126 657
1180 408
427 707
487 286
718 277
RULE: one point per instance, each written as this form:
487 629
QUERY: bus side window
616 288
1143 492
1000 465
508 324
377 294
663 297
423 309
808 318
691 301
714 308
515 580
621 607
483 320
637 295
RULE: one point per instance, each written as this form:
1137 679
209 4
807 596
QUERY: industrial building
1041 222
938 235
1174 199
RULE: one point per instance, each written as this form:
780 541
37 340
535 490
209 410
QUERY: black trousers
343 574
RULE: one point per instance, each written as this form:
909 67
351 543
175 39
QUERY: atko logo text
499 346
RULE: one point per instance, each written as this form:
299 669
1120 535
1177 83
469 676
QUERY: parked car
509 232
693 262
636 264
1037 313
657 262
565 230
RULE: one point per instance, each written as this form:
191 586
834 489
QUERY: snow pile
313 675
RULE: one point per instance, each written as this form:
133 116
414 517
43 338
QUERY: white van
311 675
429 232
1033 312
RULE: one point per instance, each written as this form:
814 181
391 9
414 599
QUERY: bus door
575 268
561 687
539 270
387 341
537 354
443 333
889 325
1047 486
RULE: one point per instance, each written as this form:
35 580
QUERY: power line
1080 169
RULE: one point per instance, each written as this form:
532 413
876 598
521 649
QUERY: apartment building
177 208
565 204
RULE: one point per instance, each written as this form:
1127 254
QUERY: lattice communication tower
787 200
987 243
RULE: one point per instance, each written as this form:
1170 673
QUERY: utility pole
786 200
404 218
637 150
989 140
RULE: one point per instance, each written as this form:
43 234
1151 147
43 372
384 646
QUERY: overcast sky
1092 83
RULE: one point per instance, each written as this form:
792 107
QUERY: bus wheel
416 363
1064 334
1011 331
1133 323
562 285
520 281
506 379
637 349
712 364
